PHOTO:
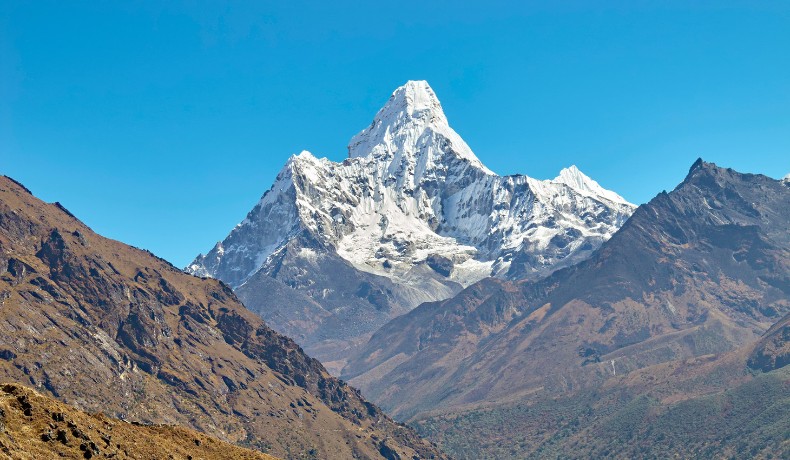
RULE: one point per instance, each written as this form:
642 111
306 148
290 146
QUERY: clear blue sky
161 126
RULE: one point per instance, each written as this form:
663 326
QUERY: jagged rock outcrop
772 351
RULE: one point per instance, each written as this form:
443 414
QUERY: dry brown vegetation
34 426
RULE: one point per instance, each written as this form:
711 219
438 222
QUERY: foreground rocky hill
701 270
34 426
110 328
334 250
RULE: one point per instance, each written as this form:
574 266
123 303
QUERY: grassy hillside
750 420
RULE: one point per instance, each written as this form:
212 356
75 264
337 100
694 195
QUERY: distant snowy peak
580 182
786 178
411 128
413 193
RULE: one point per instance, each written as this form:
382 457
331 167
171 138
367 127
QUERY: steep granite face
114 329
410 216
700 270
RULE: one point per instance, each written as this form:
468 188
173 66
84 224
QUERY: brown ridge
114 329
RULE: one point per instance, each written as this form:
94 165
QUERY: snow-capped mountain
414 214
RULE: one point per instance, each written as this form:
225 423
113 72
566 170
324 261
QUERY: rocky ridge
108 327
700 270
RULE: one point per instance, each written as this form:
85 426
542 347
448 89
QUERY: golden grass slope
34 426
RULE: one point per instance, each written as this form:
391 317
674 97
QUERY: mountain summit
408 128
411 216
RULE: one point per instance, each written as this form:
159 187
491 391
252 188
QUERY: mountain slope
410 216
34 426
712 406
107 327
700 270
707 407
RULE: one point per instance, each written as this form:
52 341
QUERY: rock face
114 329
697 271
362 238
34 426
772 351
